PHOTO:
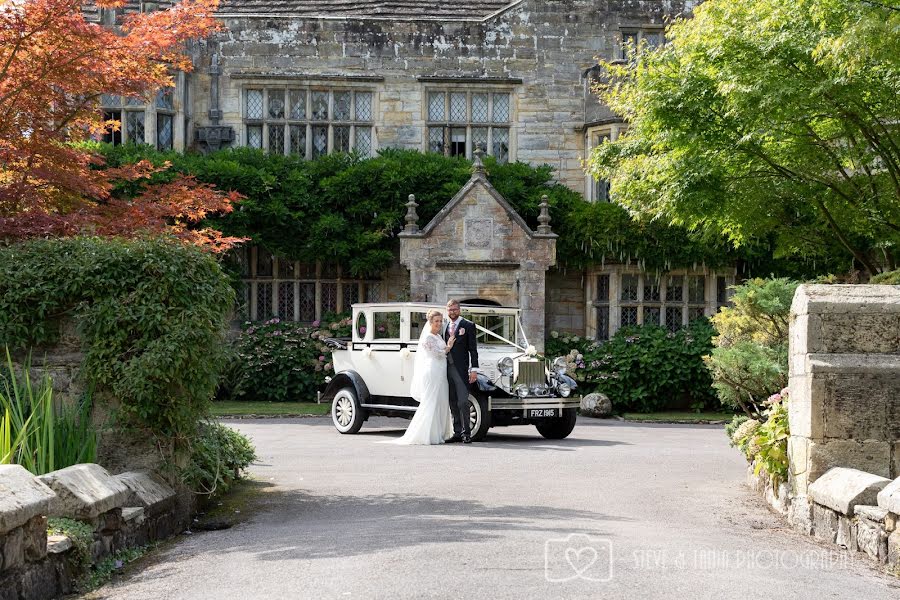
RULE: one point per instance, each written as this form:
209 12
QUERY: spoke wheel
479 418
346 413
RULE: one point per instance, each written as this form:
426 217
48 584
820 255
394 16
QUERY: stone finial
544 218
412 219
477 164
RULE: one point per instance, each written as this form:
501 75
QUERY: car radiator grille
531 373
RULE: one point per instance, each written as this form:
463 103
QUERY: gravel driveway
618 510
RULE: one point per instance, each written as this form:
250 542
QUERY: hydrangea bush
282 361
643 369
764 442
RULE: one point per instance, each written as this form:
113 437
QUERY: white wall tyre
346 413
479 418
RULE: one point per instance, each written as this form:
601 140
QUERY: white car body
374 368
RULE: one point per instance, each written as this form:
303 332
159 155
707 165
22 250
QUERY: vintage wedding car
373 371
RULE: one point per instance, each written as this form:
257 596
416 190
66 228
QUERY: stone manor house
511 78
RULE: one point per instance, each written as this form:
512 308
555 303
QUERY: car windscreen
502 325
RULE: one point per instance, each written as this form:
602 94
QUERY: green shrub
218 455
38 433
646 368
151 315
889 278
281 361
749 362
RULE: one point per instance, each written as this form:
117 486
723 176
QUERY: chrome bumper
533 402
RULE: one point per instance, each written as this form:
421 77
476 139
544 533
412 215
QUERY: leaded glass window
264 300
307 302
294 291
341 139
319 141
461 122
363 144
286 300
308 122
342 106
254 104
320 106
164 131
329 297
135 126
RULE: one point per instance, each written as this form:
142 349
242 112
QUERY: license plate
542 412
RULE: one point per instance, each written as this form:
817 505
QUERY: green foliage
281 361
349 210
218 454
104 570
35 432
771 440
889 278
749 362
151 315
764 442
82 536
646 368
765 122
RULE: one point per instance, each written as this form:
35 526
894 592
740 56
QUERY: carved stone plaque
479 232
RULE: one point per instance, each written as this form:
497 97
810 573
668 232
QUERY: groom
462 366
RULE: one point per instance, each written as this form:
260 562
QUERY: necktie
452 330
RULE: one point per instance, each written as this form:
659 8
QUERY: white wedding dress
432 423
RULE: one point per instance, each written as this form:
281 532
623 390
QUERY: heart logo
582 559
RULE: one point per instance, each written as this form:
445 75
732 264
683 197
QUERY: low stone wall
853 509
123 511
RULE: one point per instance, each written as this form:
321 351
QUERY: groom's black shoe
456 438
466 439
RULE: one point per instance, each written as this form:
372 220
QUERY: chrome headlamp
539 389
521 390
560 366
505 366
564 389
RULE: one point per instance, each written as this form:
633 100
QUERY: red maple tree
54 67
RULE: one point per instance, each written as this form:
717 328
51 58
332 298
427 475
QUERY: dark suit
462 357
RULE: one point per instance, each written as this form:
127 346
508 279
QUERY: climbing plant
151 315
349 209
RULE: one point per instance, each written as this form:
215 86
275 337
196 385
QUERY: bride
432 423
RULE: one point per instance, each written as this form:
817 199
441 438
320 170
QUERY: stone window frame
448 124
639 35
614 303
599 190
286 281
113 105
267 124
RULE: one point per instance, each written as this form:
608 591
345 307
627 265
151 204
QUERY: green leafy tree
767 120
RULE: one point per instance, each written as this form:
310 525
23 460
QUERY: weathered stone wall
127 510
844 382
566 301
538 50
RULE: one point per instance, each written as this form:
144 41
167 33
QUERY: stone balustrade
124 510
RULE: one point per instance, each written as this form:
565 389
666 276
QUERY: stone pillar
844 382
